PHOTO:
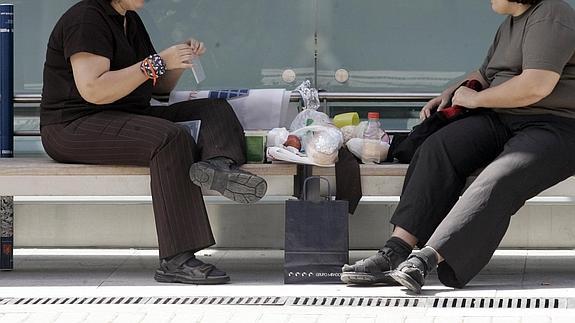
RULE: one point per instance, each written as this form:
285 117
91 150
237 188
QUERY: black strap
179 259
348 179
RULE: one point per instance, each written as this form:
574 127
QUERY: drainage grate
421 302
515 303
75 301
253 300
358 301
437 302
248 300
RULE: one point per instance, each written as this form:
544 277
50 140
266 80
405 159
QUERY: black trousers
151 138
521 156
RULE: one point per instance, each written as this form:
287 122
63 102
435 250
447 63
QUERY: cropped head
512 7
123 5
532 2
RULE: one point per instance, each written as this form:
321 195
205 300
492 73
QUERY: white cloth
256 109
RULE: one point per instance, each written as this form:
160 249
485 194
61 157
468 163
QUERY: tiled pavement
128 273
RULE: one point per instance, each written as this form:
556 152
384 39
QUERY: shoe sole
406 280
163 277
238 186
359 278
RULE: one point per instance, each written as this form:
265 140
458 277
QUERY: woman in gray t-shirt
520 130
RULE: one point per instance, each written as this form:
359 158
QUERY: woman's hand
178 56
197 46
436 103
466 97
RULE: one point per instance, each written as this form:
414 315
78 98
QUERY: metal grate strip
437 302
75 301
404 302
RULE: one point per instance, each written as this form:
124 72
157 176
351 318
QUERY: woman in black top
100 73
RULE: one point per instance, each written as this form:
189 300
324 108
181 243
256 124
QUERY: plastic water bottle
371 139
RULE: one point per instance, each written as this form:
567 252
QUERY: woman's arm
98 85
168 82
530 87
441 101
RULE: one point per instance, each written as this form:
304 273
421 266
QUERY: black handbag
403 147
316 239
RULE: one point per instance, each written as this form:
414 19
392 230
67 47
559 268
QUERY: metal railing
369 96
35 99
295 97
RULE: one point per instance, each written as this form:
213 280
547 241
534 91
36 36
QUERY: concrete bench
383 183
41 176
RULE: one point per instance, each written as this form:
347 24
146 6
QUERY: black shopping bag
316 239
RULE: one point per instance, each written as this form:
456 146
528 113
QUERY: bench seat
387 180
41 176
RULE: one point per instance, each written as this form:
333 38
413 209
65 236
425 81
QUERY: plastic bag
309 95
276 137
355 146
321 142
348 132
283 154
309 115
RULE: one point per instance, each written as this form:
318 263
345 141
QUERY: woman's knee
177 134
433 145
222 105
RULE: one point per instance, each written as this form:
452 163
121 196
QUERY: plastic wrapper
347 132
319 138
356 147
309 95
285 154
319 157
322 142
276 137
309 118
309 115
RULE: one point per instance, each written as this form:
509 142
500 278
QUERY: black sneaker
411 273
224 176
185 268
373 270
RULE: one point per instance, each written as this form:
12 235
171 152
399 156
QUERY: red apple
293 141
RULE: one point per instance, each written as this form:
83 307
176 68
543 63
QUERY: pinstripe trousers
150 137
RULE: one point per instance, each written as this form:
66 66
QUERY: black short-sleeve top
92 26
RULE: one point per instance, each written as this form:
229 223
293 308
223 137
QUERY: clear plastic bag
309 118
321 142
355 146
277 137
309 95
309 115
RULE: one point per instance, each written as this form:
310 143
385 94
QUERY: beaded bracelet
153 67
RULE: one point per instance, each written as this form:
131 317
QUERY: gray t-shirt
542 38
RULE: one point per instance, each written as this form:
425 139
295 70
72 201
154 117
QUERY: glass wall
378 45
399 45
250 42
390 46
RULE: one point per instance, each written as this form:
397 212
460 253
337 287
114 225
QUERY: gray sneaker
224 176
373 270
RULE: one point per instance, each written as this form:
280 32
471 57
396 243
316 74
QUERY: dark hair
532 2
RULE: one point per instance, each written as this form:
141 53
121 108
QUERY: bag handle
329 196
